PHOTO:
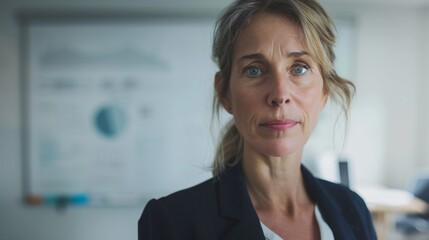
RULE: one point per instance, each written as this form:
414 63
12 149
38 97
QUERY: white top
325 230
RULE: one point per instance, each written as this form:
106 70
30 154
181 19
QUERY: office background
388 137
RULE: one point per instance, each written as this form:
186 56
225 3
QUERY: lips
280 125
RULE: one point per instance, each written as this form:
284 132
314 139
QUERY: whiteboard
116 111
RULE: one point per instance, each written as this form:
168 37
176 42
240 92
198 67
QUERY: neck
275 184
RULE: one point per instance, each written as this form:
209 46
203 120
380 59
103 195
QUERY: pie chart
110 121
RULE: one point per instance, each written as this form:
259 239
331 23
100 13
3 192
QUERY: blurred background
96 134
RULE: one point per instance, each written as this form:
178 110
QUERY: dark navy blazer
221 209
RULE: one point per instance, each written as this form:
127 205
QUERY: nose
279 93
279 101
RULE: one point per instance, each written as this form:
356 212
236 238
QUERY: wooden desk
382 202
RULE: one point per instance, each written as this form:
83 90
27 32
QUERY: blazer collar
235 204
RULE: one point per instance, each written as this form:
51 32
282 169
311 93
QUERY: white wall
422 93
391 79
387 77
388 134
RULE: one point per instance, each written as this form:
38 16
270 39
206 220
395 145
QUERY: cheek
241 109
313 106
244 110
315 110
242 101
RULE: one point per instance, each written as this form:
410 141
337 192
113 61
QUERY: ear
218 87
325 98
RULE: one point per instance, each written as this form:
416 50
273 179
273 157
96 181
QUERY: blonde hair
319 38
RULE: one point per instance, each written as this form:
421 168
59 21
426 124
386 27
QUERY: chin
281 151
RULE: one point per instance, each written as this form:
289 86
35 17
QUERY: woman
276 74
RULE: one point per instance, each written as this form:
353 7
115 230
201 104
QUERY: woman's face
276 88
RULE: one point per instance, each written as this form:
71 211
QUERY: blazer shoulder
179 213
187 203
194 194
341 193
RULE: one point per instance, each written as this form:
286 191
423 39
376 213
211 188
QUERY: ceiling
351 7
402 3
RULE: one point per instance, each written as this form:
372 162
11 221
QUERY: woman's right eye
253 71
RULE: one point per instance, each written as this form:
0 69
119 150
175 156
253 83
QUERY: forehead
268 30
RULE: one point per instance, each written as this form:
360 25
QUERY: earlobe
218 87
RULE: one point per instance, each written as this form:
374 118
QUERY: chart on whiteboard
118 112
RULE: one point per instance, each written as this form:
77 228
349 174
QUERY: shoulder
335 194
187 200
192 213
341 193
176 214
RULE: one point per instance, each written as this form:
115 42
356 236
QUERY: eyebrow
260 56
299 54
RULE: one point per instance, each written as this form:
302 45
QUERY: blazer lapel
245 229
235 204
330 211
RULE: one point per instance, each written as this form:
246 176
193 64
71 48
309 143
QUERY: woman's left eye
300 69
